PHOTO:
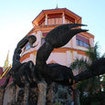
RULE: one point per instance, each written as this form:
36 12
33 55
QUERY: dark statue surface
49 72
28 73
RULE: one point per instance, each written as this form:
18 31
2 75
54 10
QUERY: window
58 20
82 41
53 21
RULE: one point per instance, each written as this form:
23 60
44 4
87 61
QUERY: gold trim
6 71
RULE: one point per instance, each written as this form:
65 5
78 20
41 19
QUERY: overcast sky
16 18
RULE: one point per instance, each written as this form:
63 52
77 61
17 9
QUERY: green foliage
94 99
92 85
80 64
93 53
58 103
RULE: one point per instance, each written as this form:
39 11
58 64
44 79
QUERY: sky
16 18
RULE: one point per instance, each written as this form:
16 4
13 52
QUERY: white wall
58 58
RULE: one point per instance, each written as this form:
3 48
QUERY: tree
91 85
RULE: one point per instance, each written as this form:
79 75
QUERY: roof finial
57 6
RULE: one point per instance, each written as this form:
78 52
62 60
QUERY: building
45 22
2 80
42 24
4 70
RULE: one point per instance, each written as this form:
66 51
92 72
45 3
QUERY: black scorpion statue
49 72
56 38
27 72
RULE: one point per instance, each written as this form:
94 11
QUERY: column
38 36
69 58
74 45
91 40
63 18
46 20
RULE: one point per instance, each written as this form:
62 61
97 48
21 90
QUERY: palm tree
79 64
93 53
91 85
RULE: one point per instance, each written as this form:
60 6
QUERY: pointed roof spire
57 6
6 63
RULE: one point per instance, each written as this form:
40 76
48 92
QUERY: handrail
6 71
